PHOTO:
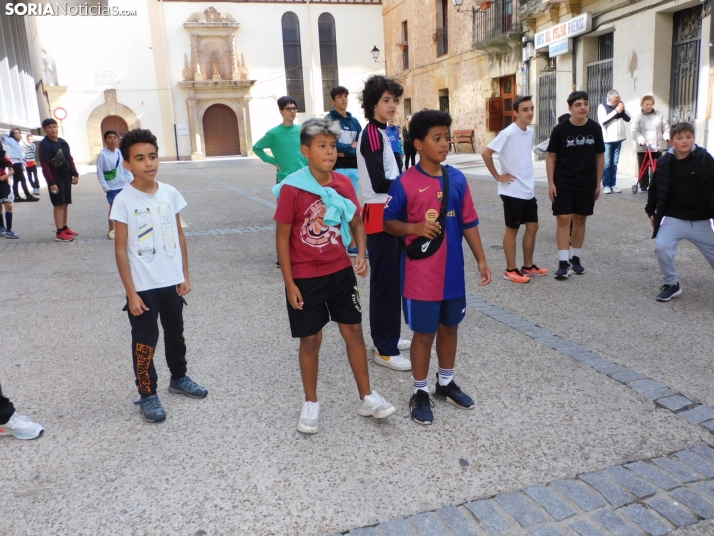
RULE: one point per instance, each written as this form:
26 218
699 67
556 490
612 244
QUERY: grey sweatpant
671 232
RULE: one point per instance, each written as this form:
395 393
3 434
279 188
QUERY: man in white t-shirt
151 256
516 186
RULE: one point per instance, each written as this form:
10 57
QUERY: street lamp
459 3
375 55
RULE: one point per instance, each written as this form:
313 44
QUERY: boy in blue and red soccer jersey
433 288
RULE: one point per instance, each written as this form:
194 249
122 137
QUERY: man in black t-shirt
574 164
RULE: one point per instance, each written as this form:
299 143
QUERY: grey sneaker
2 231
151 408
11 234
186 386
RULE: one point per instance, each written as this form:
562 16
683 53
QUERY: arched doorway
115 123
220 131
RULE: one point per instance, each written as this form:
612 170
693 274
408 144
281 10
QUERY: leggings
32 177
19 178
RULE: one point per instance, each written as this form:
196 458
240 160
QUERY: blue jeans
353 174
111 194
612 157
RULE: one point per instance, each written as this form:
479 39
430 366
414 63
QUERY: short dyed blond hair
646 98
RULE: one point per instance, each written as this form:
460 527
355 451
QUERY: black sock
514 270
60 230
64 228
8 220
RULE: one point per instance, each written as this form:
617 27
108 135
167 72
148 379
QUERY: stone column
196 152
246 141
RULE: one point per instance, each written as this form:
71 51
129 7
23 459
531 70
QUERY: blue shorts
111 194
425 316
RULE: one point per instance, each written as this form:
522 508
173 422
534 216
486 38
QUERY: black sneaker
19 199
277 264
563 270
576 267
453 394
31 198
420 407
667 292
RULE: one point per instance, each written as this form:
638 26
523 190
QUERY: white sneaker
373 405
394 362
606 190
615 190
21 427
111 235
308 417
404 344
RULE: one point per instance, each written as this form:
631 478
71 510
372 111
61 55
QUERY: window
405 46
407 108
328 57
292 54
600 73
444 100
441 36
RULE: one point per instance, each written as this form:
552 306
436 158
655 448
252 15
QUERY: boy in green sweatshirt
283 142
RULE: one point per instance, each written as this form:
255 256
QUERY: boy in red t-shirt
320 282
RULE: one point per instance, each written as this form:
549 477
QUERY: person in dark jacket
347 144
409 149
680 204
61 174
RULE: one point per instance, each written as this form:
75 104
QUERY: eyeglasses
290 109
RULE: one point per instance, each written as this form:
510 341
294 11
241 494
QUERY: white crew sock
445 376
563 254
574 252
421 384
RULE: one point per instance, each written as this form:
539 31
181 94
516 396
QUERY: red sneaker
64 237
534 271
70 232
515 276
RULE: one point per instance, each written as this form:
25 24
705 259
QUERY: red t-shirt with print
315 248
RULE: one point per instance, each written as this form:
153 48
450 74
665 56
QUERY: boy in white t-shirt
112 174
516 186
153 264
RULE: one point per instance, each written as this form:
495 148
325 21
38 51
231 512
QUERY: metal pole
176 142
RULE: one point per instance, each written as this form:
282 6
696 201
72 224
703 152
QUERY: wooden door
220 131
115 123
508 95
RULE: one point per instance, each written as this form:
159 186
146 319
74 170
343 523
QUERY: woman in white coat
649 128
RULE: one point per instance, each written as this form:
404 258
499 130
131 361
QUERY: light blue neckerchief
340 210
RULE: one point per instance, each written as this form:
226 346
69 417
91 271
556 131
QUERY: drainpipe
710 91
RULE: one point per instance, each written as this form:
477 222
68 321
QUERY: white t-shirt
153 243
514 147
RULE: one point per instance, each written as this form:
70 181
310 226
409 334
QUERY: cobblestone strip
658 392
83 241
242 191
641 498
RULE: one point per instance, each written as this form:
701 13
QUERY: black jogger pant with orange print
167 305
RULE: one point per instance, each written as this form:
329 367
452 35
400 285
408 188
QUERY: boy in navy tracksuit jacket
347 143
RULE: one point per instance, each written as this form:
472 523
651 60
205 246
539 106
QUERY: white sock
421 384
575 252
445 376
563 254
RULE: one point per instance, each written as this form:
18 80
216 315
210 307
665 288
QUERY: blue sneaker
453 394
576 267
151 408
186 386
563 270
352 252
420 407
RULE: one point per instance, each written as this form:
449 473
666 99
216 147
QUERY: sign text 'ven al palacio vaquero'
565 30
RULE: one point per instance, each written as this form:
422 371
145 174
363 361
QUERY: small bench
462 136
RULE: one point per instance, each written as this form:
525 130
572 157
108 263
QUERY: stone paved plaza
593 402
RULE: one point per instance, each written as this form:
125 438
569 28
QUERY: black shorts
329 297
518 211
5 192
581 202
64 193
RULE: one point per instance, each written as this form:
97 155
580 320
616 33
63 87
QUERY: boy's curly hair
138 135
425 119
376 86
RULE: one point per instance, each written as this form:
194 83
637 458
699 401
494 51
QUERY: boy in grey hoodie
112 174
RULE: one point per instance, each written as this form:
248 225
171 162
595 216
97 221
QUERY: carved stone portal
215 74
213 50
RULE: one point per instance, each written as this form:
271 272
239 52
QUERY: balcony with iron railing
497 25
